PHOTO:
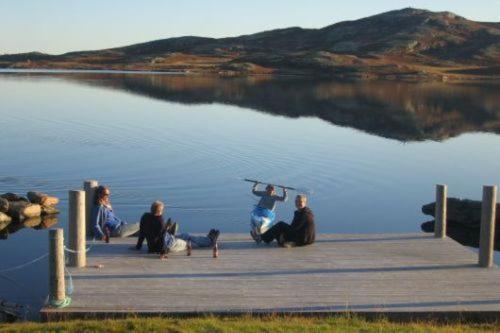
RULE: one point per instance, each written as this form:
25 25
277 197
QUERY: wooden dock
400 275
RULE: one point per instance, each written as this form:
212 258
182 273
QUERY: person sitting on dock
104 220
300 232
186 242
151 228
262 217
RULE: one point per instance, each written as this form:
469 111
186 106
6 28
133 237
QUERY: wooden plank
386 273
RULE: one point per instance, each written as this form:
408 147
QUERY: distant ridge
407 43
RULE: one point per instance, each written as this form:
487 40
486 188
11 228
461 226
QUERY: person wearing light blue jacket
106 224
262 216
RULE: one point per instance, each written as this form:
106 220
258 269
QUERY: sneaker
214 236
281 240
288 245
256 237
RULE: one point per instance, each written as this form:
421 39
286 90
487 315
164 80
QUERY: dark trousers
280 228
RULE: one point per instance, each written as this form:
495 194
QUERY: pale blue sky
57 26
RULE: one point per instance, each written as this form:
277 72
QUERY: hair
99 192
270 187
301 197
157 207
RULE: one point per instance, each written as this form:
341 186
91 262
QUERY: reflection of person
300 232
186 242
262 217
151 228
104 220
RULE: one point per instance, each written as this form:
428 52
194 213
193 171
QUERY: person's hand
284 189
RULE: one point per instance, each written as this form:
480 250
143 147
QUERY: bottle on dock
215 251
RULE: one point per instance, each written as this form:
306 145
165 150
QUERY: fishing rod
275 185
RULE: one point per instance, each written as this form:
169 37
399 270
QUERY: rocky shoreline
463 221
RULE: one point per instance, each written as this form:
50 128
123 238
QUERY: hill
408 43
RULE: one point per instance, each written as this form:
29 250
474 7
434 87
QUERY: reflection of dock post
57 291
487 233
440 211
77 228
89 186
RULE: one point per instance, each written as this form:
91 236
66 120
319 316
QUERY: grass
246 324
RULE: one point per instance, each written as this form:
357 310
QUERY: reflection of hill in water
402 111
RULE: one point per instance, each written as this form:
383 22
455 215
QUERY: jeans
181 241
125 230
280 228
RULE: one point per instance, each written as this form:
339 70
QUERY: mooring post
89 187
77 228
440 213
57 288
487 233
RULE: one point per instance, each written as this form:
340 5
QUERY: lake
368 154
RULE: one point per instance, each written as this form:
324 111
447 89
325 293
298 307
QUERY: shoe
256 237
281 240
288 245
214 236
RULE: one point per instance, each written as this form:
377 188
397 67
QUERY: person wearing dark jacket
300 232
151 228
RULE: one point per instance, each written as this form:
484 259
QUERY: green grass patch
246 324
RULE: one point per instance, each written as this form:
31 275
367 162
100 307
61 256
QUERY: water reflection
37 223
395 110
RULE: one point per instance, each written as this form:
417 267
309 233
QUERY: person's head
270 189
157 208
300 201
102 195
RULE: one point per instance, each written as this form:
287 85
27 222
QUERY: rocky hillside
410 43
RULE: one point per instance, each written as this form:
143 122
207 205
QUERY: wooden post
440 213
77 228
487 233
57 288
89 187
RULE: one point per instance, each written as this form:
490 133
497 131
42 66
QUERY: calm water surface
368 154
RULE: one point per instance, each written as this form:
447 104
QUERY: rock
42 199
49 210
20 210
4 205
5 218
13 197
32 222
47 222
463 221
5 223
463 211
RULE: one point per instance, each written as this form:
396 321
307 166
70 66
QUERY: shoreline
454 79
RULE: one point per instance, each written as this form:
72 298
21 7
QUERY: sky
58 26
